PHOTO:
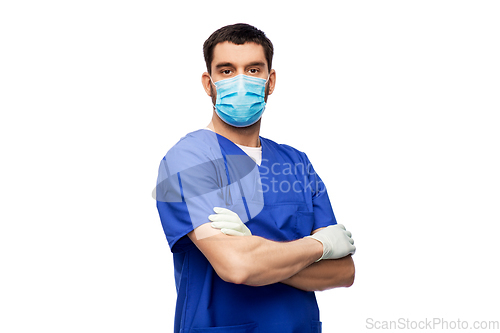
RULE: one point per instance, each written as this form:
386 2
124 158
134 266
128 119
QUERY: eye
226 71
254 71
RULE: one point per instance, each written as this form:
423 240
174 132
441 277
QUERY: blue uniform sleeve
188 187
322 208
200 172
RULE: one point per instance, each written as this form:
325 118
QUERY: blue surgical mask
240 100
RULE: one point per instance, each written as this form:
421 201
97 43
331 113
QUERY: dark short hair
238 34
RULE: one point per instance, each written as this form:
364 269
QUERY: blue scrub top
283 199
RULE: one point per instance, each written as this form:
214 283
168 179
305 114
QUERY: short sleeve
200 172
188 187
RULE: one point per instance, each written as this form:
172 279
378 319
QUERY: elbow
351 273
238 264
233 271
350 281
234 276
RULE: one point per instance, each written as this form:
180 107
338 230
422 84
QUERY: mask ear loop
266 89
215 90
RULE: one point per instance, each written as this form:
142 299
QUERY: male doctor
248 221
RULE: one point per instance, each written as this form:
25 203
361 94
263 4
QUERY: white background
396 104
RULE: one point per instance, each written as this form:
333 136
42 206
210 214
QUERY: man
254 265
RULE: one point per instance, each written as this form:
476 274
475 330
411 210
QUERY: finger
223 218
348 233
220 210
214 217
353 249
231 232
226 225
341 226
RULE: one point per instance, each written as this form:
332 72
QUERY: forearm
323 275
273 262
256 261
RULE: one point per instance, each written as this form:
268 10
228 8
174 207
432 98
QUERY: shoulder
194 141
193 149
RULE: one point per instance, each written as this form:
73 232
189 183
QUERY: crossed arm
256 261
324 274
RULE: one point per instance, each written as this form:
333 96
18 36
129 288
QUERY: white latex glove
337 242
228 222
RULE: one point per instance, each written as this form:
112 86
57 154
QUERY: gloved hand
337 242
228 222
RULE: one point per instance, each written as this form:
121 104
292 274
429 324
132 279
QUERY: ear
272 81
206 82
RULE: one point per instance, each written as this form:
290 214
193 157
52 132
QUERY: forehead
238 55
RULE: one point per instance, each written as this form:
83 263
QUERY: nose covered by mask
240 100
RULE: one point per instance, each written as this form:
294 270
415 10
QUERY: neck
244 136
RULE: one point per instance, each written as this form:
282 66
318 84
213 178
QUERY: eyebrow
252 64
224 64
255 64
